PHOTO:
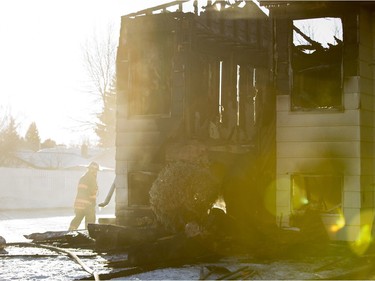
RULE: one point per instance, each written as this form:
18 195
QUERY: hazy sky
42 76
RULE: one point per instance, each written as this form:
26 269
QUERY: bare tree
304 35
99 61
309 32
99 56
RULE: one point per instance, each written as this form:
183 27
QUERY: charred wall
188 85
150 104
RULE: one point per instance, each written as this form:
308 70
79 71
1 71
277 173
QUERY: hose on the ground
58 250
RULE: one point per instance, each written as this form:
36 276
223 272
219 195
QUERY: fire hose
58 250
109 196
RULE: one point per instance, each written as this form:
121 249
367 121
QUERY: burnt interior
211 77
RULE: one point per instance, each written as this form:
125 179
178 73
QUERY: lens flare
361 244
363 239
339 224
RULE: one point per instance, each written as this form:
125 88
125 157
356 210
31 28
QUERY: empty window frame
139 185
204 94
317 54
150 75
321 193
237 99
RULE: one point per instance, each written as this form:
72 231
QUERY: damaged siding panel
121 169
367 86
352 101
150 89
121 200
286 166
366 90
138 153
367 198
337 143
366 120
367 168
351 39
311 149
282 40
367 135
145 124
149 46
348 118
316 134
139 139
365 68
145 75
320 144
283 202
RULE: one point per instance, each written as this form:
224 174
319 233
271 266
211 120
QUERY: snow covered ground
29 263
16 223
22 262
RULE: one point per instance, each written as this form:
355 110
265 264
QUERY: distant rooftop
67 158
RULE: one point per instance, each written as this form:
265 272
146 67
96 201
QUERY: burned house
325 114
286 117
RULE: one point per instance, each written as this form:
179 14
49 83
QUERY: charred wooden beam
48 235
118 237
172 249
314 43
163 7
72 238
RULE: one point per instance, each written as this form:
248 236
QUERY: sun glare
42 69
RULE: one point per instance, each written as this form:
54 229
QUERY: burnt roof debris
234 28
238 10
310 9
314 44
160 8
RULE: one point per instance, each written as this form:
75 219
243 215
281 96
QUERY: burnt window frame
300 106
134 192
164 44
204 93
238 99
305 205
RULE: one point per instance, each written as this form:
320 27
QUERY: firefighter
85 202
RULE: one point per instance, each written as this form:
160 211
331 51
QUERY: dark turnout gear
86 192
85 202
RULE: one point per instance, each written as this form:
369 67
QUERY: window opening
235 87
150 68
139 184
317 64
321 193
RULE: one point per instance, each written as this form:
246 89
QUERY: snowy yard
30 263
